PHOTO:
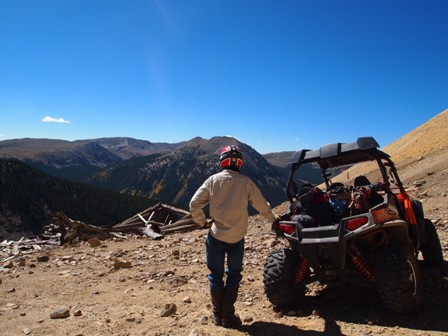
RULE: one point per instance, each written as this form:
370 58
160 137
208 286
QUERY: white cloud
56 120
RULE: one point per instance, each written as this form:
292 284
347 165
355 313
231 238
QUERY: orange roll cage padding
406 201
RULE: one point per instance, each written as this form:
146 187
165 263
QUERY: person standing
228 194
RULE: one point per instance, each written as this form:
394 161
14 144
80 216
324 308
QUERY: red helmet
231 157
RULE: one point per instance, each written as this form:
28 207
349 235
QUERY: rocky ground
139 286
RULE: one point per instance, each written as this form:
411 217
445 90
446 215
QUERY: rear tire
278 279
398 279
432 250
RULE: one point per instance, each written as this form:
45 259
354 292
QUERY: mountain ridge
176 175
164 176
76 160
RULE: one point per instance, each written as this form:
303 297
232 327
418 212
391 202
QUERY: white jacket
228 193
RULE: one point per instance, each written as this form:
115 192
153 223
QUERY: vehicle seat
314 203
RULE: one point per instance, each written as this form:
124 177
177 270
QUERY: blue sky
278 75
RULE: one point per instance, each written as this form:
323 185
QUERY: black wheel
398 279
278 279
432 249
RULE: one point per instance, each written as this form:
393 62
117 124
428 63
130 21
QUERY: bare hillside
426 140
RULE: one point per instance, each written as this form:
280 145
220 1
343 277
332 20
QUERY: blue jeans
215 253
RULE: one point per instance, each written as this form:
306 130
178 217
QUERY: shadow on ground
276 329
358 305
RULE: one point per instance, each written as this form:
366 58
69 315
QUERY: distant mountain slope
279 159
122 147
126 148
168 172
282 161
77 160
29 197
174 176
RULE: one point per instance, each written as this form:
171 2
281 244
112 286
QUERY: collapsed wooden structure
154 222
158 220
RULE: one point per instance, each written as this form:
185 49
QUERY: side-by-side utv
369 232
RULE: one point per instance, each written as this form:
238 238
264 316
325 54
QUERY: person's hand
274 226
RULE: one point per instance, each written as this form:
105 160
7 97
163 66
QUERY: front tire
278 279
432 250
398 279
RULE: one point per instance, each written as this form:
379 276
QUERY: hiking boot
229 318
217 297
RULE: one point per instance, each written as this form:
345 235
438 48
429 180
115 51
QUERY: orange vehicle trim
404 198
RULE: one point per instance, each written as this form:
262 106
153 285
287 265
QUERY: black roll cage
339 154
